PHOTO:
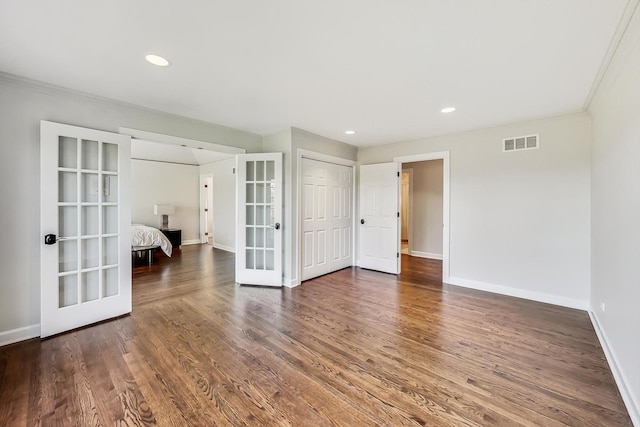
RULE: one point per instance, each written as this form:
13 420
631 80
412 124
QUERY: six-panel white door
85 220
327 219
379 228
259 226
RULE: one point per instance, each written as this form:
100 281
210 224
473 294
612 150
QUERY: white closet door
379 230
85 225
327 217
342 256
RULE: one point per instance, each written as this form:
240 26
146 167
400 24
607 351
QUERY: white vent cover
517 143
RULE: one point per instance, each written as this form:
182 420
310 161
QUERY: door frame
313 155
409 211
446 199
204 197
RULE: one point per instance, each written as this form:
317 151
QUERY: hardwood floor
350 348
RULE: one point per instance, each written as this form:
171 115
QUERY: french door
379 243
259 226
85 220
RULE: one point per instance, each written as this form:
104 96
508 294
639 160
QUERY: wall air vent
517 143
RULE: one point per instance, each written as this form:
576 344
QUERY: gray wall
519 221
158 182
615 211
22 105
426 208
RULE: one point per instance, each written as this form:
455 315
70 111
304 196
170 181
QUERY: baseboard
291 283
633 406
191 242
20 334
426 255
520 293
224 248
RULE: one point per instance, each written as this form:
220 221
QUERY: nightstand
174 235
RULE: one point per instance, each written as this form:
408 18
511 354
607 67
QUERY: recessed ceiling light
157 60
448 110
350 132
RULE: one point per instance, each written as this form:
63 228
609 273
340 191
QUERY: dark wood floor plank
288 373
355 347
381 370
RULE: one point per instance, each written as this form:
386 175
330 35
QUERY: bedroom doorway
168 170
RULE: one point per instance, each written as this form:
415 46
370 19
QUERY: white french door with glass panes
85 220
259 227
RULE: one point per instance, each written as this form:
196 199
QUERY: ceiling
383 68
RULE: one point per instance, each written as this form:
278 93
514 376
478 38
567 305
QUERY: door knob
277 226
362 221
50 239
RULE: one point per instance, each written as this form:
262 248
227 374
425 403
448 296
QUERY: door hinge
398 174
398 254
233 171
398 214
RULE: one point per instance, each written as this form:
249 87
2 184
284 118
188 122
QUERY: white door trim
312 155
203 206
409 211
446 199
176 140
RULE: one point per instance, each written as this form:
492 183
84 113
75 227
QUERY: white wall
615 210
22 105
224 202
157 182
519 222
426 208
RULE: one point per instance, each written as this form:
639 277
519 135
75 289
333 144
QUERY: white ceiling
384 68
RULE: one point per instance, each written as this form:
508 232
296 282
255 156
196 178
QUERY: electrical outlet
602 307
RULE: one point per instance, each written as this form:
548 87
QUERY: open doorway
433 241
422 209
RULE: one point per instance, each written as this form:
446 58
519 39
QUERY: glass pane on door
88 192
68 291
260 215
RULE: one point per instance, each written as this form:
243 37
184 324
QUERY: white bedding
144 236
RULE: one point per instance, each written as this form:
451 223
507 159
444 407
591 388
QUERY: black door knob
277 226
50 239
362 221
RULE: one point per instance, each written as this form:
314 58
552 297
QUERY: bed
147 239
